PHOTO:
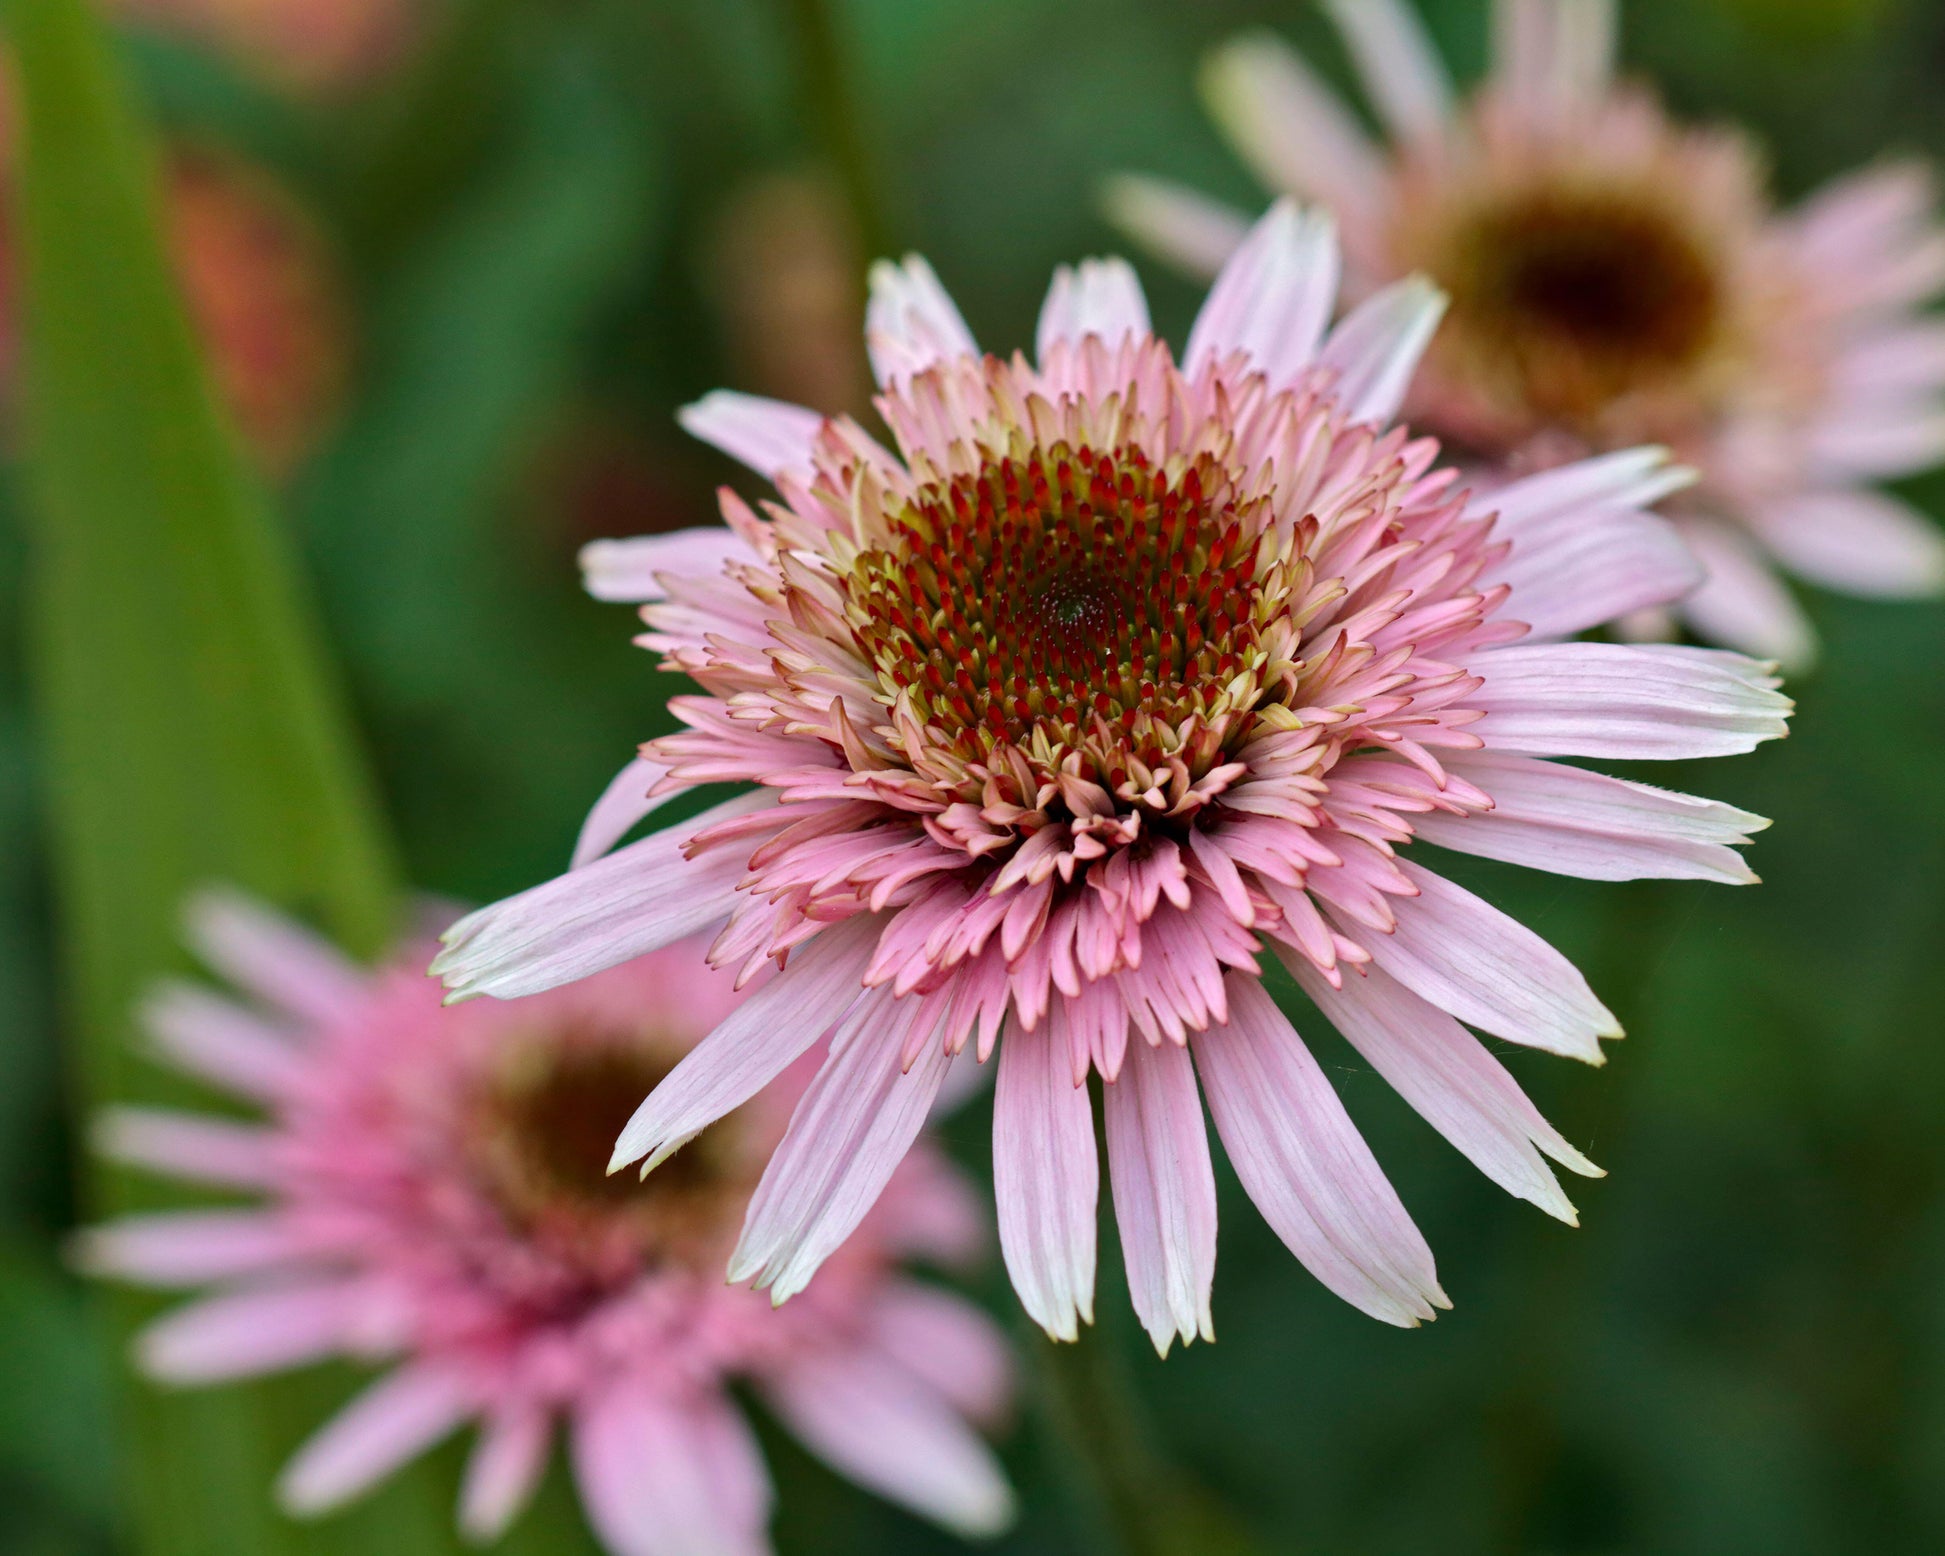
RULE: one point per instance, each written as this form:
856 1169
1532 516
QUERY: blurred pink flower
433 1195
1618 279
1118 673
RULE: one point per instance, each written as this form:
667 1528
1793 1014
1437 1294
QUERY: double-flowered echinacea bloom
1619 279
432 1195
1117 675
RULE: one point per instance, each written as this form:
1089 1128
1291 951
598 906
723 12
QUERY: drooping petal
623 803
1398 63
1872 442
503 1469
1468 958
1549 816
946 1341
758 1041
662 1477
1861 542
850 1130
1164 1192
392 1422
616 908
1306 1167
1611 563
276 959
1273 297
1046 1176
1741 601
910 322
1289 127
629 572
885 1429
1100 297
1446 1073
1376 347
772 437
1182 225
1647 701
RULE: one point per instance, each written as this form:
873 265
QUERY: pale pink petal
1182 225
619 907
910 322
1741 601
623 803
1164 1192
1046 1176
1549 816
1632 478
886 1430
241 1334
190 1146
1905 358
503 1469
630 571
1376 347
1467 957
1567 577
1626 701
1306 1167
213 1038
1099 297
1444 1072
943 1339
851 1129
1553 58
1399 65
755 1044
1861 542
662 1478
188 1247
275 958
1273 297
1873 441
1289 127
392 1422
770 436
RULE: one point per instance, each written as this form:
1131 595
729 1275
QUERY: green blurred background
556 220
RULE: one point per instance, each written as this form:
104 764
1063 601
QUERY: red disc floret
1061 589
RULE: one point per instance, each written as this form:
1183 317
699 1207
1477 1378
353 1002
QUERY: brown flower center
1061 592
1582 295
543 1127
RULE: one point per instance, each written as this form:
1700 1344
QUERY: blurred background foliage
523 231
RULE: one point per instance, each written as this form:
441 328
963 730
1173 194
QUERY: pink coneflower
433 1195
1118 674
1618 279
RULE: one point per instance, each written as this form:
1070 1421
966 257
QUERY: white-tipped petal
1377 346
910 322
1273 298
772 437
1098 297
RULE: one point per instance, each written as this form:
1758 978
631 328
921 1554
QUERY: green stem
1130 1499
830 107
